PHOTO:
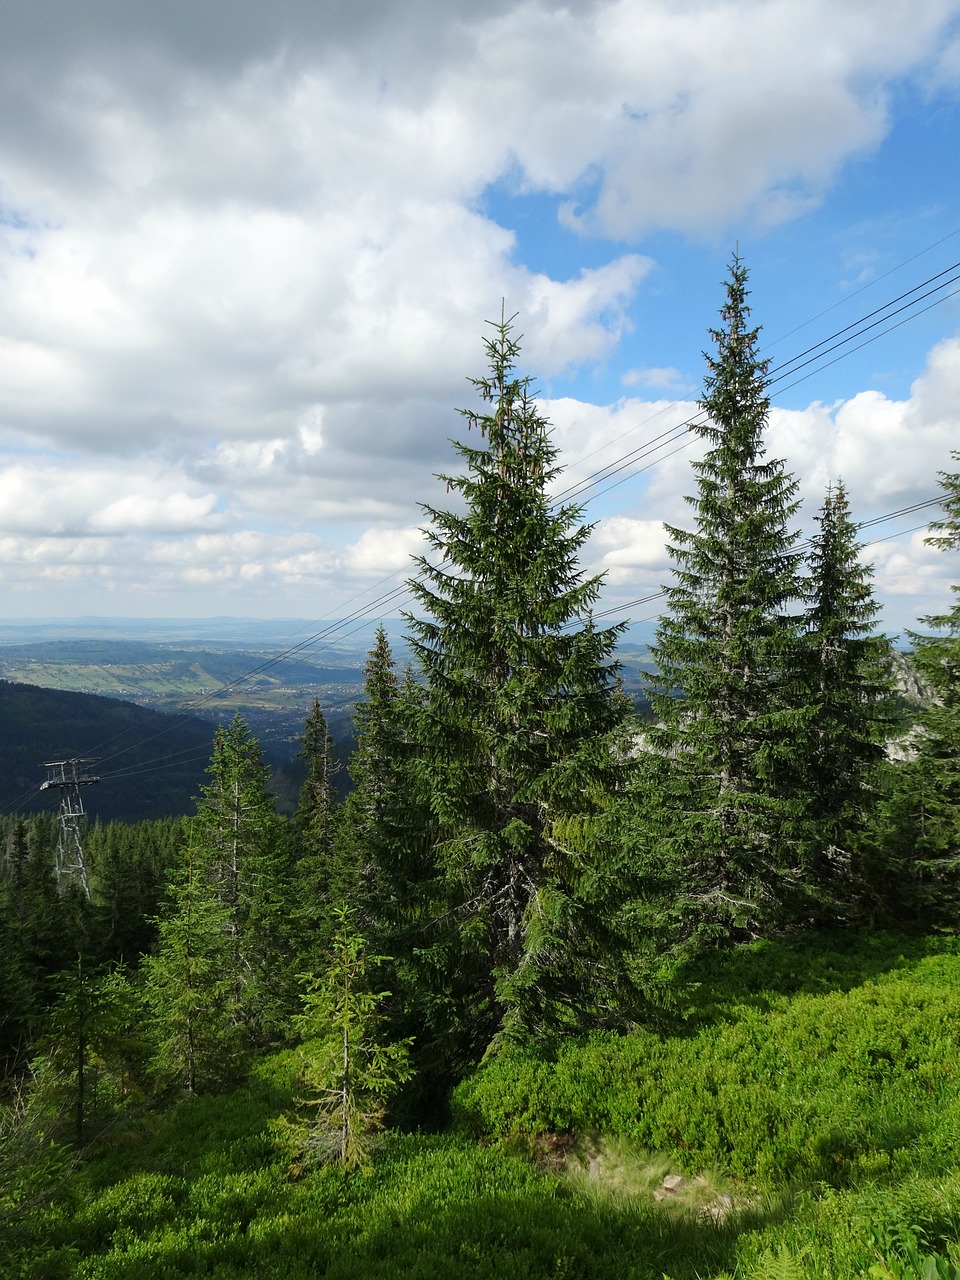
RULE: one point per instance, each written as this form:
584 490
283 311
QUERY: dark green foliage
243 840
314 817
221 979
385 839
128 868
316 883
51 929
16 1002
922 814
50 724
851 710
377 826
718 794
517 719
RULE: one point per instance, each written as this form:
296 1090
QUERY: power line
869 316
578 489
621 463
898 325
837 333
863 288
801 547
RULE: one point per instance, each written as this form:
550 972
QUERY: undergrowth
817 1132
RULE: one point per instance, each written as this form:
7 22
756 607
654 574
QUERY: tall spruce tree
381 826
315 871
717 787
850 703
923 812
223 975
518 711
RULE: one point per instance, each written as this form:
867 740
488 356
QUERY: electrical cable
613 468
863 288
805 546
583 486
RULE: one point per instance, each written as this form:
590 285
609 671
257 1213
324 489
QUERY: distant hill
151 765
143 671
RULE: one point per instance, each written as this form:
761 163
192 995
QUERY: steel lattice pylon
69 776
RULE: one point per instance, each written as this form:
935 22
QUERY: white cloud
658 379
41 499
383 551
636 547
888 453
245 258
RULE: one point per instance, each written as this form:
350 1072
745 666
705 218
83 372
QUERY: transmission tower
69 776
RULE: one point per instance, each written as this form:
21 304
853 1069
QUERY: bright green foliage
850 702
202 1187
841 1088
191 984
519 708
348 1065
717 792
36 1196
923 814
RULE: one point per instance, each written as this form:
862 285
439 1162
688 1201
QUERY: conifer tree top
735 396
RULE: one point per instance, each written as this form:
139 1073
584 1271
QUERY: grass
816 1130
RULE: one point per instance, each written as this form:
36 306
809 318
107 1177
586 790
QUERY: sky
248 251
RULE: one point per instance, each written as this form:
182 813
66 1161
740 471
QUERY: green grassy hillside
806 1124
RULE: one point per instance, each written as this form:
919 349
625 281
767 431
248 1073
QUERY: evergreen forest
545 990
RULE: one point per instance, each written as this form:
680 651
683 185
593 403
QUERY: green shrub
843 1087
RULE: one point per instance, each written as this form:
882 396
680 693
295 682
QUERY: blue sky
248 250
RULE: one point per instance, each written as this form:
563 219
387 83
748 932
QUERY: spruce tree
348 1060
386 836
514 733
199 1037
222 978
717 784
382 831
314 816
923 812
850 707
317 883
238 829
16 1003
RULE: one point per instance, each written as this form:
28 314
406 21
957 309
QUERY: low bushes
833 1088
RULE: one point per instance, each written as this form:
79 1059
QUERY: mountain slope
150 764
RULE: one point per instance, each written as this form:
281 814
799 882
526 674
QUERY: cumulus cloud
245 255
381 551
58 500
888 453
